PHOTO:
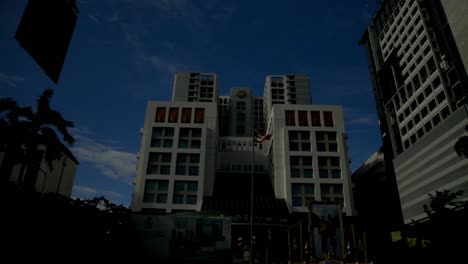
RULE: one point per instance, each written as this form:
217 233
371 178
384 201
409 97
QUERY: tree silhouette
25 130
441 201
461 146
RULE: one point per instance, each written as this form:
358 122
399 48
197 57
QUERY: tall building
420 87
196 151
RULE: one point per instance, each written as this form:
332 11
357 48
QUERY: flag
259 137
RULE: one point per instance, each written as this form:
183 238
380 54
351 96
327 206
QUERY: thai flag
259 137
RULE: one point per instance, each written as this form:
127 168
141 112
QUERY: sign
45 32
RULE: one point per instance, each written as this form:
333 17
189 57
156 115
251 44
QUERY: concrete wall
207 153
456 12
430 165
279 145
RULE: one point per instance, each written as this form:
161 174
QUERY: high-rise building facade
420 87
198 140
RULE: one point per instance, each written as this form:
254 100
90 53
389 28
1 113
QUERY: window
299 141
436 82
440 97
326 141
302 194
240 117
155 191
316 118
159 163
424 112
431 67
199 115
303 119
328 118
432 104
189 138
428 126
428 90
445 112
162 137
173 115
331 192
329 167
301 166
187 164
420 132
290 121
436 120
185 192
160 114
241 105
186 115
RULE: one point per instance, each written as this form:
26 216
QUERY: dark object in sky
45 32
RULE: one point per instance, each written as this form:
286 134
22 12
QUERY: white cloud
94 18
110 160
363 120
356 117
10 80
165 66
168 44
87 192
114 18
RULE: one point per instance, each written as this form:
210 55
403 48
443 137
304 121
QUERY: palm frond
43 103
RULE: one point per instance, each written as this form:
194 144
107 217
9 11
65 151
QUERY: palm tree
13 131
27 130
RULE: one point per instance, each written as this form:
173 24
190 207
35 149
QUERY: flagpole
252 193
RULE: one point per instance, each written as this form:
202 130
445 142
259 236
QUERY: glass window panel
165 170
173 115
148 197
308 189
295 173
161 198
168 143
150 185
178 199
160 114
163 185
296 189
315 118
191 199
192 186
328 118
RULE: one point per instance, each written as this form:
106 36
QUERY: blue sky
124 53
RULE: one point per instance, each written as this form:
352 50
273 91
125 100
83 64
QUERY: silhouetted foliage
53 225
461 146
443 202
22 130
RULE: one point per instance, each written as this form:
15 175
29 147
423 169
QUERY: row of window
185 116
304 119
159 163
162 137
300 141
425 110
156 191
386 18
240 167
304 193
404 36
424 129
301 167
405 92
